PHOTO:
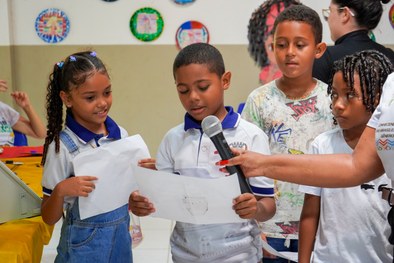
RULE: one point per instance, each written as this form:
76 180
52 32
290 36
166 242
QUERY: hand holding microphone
212 126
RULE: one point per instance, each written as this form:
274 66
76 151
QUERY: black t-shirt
346 45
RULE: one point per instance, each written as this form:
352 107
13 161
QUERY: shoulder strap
69 142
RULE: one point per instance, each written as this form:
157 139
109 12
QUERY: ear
320 49
346 15
226 80
66 99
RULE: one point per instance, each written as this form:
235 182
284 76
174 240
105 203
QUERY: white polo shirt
186 150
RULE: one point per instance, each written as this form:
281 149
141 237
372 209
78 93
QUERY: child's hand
21 99
3 85
140 205
245 206
149 163
76 186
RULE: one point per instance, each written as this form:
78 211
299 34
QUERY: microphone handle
243 184
225 153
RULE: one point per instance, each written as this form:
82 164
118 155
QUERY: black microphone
212 126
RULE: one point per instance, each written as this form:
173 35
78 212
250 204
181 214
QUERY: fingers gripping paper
112 165
190 199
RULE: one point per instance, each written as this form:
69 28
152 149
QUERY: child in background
292 110
82 84
201 80
348 224
11 120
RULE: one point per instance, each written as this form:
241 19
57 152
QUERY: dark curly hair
259 30
66 75
304 14
373 68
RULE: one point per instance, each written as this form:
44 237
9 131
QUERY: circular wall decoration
391 16
191 32
183 2
146 24
110 0
52 25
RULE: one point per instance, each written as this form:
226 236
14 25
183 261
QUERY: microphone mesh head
211 125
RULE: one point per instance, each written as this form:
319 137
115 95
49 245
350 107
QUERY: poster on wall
191 32
146 24
52 25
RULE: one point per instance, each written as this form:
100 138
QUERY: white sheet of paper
189 199
112 165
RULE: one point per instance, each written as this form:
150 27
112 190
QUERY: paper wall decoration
52 25
191 32
183 2
146 24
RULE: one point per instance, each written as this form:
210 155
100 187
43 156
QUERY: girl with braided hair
336 222
260 37
83 85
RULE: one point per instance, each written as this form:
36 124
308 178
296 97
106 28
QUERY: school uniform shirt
353 221
59 166
8 118
187 151
346 45
291 126
383 121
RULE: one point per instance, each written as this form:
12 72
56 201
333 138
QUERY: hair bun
385 1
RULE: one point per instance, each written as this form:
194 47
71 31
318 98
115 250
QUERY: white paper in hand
190 199
111 164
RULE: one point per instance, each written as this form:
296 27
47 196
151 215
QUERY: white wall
4 26
95 22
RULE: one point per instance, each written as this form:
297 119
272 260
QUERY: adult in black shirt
349 23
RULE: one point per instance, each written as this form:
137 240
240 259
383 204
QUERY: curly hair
261 25
373 69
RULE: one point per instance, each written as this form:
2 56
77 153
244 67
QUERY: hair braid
373 69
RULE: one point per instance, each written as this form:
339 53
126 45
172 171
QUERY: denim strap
69 142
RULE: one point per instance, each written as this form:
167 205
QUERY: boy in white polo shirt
201 80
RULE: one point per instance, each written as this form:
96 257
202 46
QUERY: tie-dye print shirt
291 126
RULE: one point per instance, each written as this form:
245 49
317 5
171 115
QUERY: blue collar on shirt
86 135
230 121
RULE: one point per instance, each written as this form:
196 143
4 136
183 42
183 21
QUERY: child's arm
309 221
32 126
140 205
52 206
249 206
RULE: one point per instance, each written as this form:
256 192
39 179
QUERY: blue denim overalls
101 238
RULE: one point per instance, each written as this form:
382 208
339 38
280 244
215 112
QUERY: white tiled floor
154 248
